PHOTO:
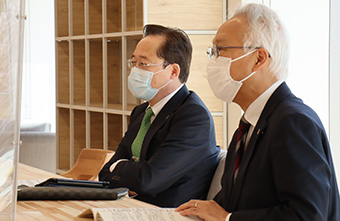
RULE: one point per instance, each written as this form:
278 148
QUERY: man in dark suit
170 156
281 168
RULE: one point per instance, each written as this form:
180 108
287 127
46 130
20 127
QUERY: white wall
308 31
314 61
334 66
38 94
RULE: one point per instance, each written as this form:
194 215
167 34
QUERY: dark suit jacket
178 156
287 171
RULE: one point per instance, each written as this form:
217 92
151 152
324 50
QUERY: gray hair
267 31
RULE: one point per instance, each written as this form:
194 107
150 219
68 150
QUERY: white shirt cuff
228 217
113 166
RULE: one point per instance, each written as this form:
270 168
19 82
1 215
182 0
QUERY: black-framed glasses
142 65
215 50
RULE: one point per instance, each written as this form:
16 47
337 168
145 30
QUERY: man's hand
206 210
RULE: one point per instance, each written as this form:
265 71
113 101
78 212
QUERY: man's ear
175 68
262 56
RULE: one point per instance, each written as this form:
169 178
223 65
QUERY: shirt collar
255 109
160 104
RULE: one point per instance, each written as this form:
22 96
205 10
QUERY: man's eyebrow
216 41
221 39
144 57
141 57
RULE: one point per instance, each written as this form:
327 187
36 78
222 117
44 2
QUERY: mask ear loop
242 56
165 84
247 77
168 81
162 69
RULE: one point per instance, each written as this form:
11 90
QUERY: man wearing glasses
279 164
168 154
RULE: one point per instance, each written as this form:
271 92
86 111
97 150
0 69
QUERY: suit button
116 178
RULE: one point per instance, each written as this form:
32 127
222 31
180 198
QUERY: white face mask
139 83
220 80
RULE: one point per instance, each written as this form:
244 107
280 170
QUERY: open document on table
135 214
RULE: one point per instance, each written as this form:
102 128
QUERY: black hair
176 48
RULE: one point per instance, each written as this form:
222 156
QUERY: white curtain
11 23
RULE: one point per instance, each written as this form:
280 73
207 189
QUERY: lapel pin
259 131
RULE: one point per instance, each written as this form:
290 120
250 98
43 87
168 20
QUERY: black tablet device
69 193
73 183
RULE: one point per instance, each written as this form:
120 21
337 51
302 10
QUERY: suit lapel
237 187
277 97
169 108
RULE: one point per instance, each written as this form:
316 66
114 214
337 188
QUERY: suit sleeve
184 147
122 152
302 174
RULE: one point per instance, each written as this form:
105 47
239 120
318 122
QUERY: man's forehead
147 47
231 30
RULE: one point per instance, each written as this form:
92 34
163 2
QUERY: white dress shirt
255 109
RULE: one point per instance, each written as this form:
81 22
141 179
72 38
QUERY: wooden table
61 210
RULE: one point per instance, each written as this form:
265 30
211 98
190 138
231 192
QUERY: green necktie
144 127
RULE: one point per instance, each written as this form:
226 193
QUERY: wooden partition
95 17
96 72
63 72
114 72
94 39
79 78
78 17
63 138
114 16
62 11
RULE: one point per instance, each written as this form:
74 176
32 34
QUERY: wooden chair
88 164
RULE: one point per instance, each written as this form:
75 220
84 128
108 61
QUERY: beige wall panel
218 121
198 81
232 5
188 15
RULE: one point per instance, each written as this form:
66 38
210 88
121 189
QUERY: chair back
215 185
88 164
